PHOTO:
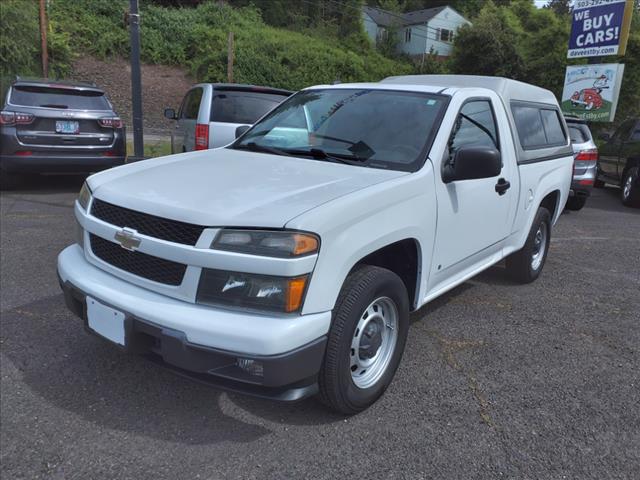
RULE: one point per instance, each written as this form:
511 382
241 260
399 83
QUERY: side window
624 132
191 104
553 127
538 127
476 125
529 126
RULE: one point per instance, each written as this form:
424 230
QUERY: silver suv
585 154
211 113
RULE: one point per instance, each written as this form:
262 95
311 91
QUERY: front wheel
630 189
525 265
366 339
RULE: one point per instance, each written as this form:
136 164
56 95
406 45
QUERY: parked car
619 162
585 153
286 264
49 127
210 113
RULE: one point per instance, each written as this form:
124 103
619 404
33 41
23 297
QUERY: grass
152 149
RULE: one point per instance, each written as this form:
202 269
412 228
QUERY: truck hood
225 187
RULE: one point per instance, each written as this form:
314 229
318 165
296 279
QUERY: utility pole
136 82
230 55
43 39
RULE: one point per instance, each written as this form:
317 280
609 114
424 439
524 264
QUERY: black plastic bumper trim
288 377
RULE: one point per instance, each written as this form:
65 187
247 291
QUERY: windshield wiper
256 147
331 156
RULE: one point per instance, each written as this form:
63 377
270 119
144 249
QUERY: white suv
287 263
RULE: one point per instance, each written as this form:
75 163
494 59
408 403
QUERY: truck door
610 152
474 216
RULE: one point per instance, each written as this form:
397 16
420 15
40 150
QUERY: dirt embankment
162 86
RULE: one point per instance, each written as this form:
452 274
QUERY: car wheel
525 265
630 189
576 203
366 340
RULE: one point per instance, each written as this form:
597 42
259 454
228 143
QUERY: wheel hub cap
539 246
374 341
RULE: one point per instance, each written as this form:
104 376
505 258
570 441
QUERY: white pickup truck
287 263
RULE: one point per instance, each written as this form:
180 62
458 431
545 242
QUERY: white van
210 113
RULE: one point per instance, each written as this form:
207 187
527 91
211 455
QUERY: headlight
84 196
267 243
248 290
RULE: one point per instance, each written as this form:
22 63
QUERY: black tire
576 203
520 264
361 288
598 183
631 196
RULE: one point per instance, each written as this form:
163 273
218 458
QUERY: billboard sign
591 91
599 28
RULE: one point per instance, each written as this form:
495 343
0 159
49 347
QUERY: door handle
502 186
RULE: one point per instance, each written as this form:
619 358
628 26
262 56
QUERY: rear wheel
366 340
576 203
630 189
525 265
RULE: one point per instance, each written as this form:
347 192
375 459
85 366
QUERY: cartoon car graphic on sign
589 98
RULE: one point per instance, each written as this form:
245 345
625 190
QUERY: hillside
162 86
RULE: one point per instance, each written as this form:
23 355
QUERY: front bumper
170 332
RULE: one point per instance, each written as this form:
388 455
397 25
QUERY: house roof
387 19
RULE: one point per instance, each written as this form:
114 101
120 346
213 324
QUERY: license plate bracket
70 127
106 321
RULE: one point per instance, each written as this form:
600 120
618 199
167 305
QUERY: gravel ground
498 380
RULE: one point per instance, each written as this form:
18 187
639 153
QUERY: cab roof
506 88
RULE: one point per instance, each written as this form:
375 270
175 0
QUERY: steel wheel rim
626 191
539 246
373 343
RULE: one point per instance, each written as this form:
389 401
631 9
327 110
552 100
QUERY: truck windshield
374 128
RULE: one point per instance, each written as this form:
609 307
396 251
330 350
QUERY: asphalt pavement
497 381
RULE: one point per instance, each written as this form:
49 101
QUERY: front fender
360 223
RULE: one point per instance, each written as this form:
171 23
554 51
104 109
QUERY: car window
48 97
624 132
538 127
553 127
476 125
529 126
191 105
243 107
577 135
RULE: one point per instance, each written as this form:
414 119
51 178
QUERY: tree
489 46
561 7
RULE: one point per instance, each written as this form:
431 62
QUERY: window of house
446 35
407 35
475 126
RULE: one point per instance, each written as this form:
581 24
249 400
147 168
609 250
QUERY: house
423 31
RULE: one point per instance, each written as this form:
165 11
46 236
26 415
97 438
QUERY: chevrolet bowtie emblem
127 239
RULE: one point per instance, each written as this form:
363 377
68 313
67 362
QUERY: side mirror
170 113
605 137
241 129
471 163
